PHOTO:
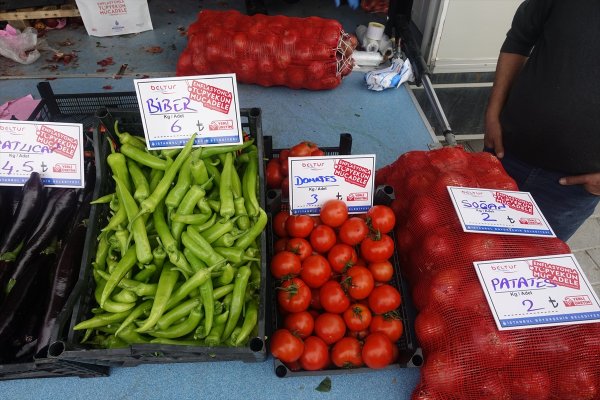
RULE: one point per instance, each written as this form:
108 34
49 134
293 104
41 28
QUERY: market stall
372 119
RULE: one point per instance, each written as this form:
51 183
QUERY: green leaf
324 386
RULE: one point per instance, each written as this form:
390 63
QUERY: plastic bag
19 46
114 17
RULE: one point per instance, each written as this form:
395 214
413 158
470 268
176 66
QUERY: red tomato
346 353
382 271
359 282
279 245
389 325
341 256
360 335
384 298
334 213
273 174
293 295
315 355
299 226
285 346
279 223
377 351
315 271
300 324
382 218
577 383
322 238
333 298
357 317
330 327
283 156
299 246
353 231
375 250
302 149
285 264
317 152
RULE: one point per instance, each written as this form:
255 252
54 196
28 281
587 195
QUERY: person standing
543 115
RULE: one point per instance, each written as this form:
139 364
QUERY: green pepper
140 310
249 183
124 266
234 254
145 273
174 315
243 222
138 228
222 291
194 281
168 241
130 336
221 227
127 138
201 248
207 152
237 301
200 173
143 157
125 296
190 219
227 275
186 206
213 338
107 198
118 165
139 288
250 321
166 284
181 329
177 192
254 232
101 320
140 183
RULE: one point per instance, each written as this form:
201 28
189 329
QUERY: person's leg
565 207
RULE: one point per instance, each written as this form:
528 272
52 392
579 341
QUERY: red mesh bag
466 356
375 6
300 53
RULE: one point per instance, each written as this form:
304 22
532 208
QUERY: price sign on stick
314 180
499 211
173 109
55 150
538 291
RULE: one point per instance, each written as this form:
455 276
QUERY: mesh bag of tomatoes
375 6
300 53
338 306
276 170
465 355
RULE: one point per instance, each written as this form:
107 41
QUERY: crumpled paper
396 74
20 108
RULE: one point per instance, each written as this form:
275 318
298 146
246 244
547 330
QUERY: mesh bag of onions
300 53
465 355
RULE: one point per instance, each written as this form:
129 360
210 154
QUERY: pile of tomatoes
276 170
335 295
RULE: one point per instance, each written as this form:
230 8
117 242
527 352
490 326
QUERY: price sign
499 211
538 291
173 109
314 180
53 149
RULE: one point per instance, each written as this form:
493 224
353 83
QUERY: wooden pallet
64 11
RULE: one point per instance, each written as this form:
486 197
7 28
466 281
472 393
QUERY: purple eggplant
65 272
57 213
14 307
31 202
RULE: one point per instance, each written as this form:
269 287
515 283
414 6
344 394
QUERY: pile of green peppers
178 260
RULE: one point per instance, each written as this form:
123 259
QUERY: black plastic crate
80 107
83 300
410 354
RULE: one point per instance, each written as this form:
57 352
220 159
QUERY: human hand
590 182
492 139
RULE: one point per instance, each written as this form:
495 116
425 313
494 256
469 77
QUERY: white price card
54 150
314 180
499 211
538 291
173 109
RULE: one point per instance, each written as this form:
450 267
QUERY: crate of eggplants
39 262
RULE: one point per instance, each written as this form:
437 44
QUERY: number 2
529 305
486 217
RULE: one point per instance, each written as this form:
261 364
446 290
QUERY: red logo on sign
57 141
575 301
530 221
352 173
221 125
64 168
211 97
361 196
514 202
557 274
